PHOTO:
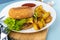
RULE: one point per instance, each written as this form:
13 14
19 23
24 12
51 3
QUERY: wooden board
32 36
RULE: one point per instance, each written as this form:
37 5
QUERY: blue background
54 29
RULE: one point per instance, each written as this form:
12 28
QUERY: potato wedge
46 15
42 20
40 24
48 19
38 8
35 26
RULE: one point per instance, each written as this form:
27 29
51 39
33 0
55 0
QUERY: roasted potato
43 17
40 24
43 21
43 11
35 26
47 14
38 8
48 19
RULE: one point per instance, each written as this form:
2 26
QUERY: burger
20 18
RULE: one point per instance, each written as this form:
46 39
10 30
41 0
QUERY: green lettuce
14 24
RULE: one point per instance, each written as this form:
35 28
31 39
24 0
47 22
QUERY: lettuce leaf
14 24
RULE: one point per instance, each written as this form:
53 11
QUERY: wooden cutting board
29 36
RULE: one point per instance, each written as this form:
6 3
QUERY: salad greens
14 24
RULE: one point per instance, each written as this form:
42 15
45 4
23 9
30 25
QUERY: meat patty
21 12
27 26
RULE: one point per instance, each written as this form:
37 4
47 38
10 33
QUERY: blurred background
5 1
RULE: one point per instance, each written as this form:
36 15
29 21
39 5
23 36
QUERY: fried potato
47 14
40 14
40 24
43 11
35 26
43 21
43 17
35 20
38 8
48 19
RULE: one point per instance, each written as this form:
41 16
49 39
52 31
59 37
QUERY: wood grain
29 36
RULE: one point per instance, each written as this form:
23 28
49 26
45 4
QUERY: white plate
4 12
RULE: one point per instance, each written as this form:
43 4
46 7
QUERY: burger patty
21 12
27 26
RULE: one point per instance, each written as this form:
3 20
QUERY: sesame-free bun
20 12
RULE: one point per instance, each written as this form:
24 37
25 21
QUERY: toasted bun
21 12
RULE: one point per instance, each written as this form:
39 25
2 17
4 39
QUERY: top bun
21 12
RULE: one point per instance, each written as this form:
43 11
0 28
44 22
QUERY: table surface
54 29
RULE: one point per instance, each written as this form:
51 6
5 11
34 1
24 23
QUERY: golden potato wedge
48 19
35 26
38 8
42 20
40 24
43 11
47 14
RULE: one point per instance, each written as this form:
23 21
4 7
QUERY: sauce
29 4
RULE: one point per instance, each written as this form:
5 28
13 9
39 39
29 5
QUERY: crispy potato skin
20 12
46 15
48 19
43 17
35 26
